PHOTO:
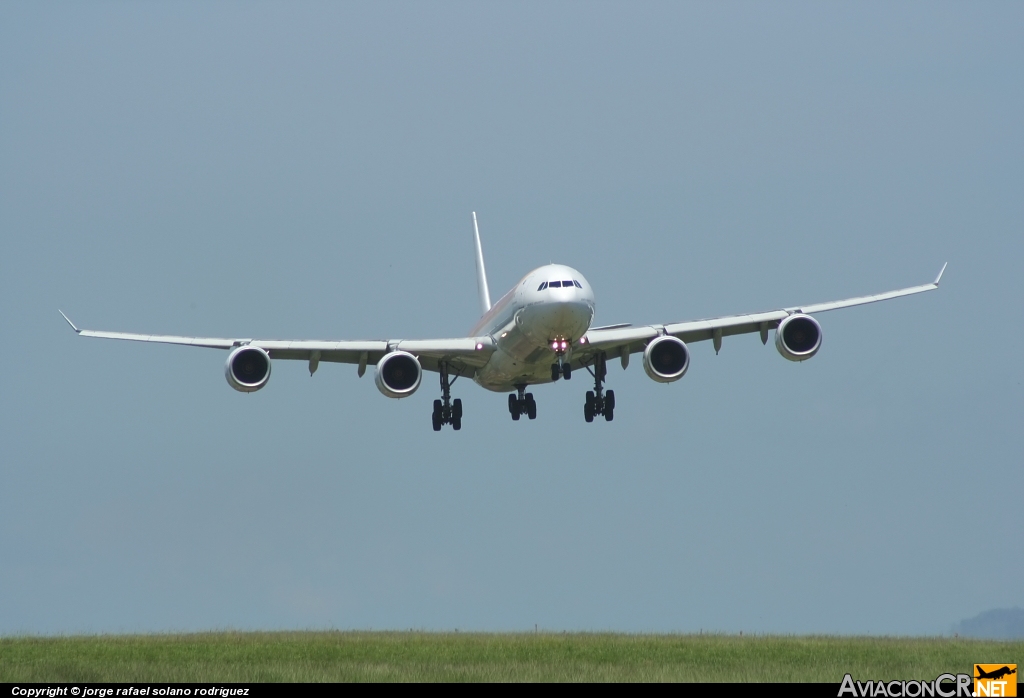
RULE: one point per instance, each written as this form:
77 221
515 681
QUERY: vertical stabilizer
481 273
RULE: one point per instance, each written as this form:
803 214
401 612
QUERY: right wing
463 355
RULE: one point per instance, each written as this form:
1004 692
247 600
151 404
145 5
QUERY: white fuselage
528 321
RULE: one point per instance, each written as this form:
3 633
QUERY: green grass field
412 656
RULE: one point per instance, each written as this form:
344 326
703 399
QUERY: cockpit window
566 284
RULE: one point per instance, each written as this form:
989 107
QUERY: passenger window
555 284
542 286
577 283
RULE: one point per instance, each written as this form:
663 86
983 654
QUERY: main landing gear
446 410
599 401
522 403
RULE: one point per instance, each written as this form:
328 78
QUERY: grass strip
420 656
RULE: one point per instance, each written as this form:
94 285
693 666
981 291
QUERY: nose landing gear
522 403
598 401
561 368
446 410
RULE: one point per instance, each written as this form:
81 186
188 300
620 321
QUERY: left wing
464 355
622 341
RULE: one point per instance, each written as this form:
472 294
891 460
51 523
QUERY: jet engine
666 359
398 374
798 337
247 369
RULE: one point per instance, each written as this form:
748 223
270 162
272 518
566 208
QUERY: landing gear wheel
515 407
556 372
599 401
531 406
446 410
566 371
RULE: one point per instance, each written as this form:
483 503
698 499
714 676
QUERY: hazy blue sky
308 171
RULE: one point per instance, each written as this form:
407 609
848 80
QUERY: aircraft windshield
568 283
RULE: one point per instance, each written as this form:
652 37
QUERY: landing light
479 346
554 345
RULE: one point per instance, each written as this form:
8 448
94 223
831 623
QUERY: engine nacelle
247 369
798 337
666 359
398 374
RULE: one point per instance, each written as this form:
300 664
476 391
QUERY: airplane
538 332
996 674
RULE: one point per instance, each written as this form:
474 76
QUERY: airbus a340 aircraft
538 332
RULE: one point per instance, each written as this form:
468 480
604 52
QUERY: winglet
77 331
936 282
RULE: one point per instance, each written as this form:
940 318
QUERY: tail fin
481 273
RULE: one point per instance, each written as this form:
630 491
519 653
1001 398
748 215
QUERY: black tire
609 400
609 412
531 406
437 406
516 415
566 371
457 409
588 411
513 403
436 419
590 399
555 372
456 423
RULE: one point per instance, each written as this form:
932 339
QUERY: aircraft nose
565 319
